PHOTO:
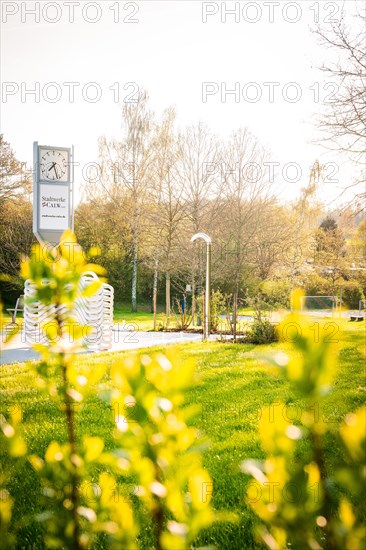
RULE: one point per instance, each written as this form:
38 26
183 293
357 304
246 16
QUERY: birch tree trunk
235 310
167 294
134 278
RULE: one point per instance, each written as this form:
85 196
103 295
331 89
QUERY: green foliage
352 293
299 501
218 304
261 331
164 453
16 237
316 285
232 385
352 289
13 445
153 448
276 292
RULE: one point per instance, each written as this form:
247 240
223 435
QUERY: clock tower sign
53 208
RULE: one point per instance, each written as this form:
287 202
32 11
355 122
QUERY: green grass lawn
231 388
142 319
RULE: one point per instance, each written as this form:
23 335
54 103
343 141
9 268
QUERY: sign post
53 193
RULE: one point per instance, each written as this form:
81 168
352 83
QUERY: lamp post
206 321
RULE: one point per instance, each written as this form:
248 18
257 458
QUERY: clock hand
52 166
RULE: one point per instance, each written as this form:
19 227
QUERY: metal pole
208 283
206 321
71 178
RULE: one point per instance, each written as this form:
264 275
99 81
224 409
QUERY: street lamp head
203 236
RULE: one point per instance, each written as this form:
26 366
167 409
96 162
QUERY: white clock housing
54 165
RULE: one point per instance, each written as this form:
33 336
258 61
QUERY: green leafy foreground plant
82 497
13 445
301 502
164 453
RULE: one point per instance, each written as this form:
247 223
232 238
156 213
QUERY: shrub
153 446
261 332
300 502
183 318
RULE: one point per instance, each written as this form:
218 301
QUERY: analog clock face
54 165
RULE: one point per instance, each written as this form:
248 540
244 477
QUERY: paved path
18 350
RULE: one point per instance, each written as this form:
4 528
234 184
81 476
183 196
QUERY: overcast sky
185 54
